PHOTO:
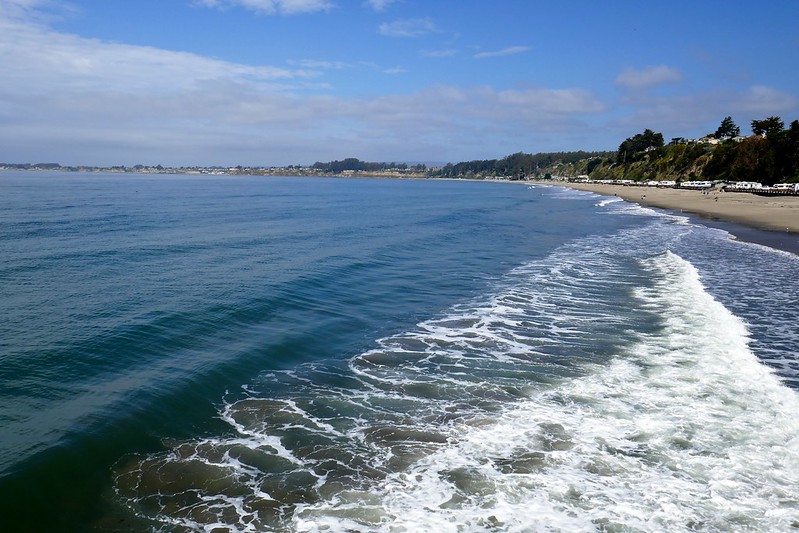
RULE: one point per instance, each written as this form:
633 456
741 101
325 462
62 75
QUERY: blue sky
279 82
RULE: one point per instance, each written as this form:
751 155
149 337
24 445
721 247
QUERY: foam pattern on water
593 390
688 432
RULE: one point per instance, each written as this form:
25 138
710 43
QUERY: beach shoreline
773 213
768 220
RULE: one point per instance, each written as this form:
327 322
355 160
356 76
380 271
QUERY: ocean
215 353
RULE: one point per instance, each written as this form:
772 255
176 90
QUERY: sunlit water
291 354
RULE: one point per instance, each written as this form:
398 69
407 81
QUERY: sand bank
775 213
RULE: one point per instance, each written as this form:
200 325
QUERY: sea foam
600 388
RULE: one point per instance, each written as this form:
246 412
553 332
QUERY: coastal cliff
770 155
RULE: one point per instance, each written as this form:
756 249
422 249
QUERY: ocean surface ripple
285 354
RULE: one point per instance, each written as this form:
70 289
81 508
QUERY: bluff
770 155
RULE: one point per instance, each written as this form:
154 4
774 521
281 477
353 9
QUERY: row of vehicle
738 186
750 186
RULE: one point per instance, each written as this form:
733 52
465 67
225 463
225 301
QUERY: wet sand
774 213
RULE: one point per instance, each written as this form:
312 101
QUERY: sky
292 82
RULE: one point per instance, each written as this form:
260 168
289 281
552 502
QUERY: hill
770 155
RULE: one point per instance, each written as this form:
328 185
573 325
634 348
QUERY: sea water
191 353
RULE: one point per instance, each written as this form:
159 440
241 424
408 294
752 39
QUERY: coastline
767 220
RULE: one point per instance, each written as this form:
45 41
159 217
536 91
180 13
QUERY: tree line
515 166
356 165
770 155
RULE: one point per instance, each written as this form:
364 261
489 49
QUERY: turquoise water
181 353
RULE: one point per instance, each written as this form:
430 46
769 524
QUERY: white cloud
271 7
511 50
407 28
316 64
379 5
549 102
35 10
34 57
768 101
645 78
17 7
446 108
694 115
440 53
85 101
81 101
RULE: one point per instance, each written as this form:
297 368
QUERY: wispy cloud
379 5
693 114
270 7
32 54
78 100
440 53
645 78
41 11
22 7
75 100
766 100
407 28
511 50
315 64
541 102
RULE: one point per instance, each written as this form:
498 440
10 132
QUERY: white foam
609 201
556 403
684 431
256 438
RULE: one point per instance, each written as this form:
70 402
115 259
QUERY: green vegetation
356 165
520 165
770 155
635 148
727 129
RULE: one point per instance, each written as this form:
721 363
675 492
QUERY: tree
727 129
753 161
592 164
721 161
768 127
787 152
632 147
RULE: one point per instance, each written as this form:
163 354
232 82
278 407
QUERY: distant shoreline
778 215
304 172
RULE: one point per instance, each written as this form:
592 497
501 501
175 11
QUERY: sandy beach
775 213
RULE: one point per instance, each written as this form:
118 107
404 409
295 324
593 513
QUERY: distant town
290 170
